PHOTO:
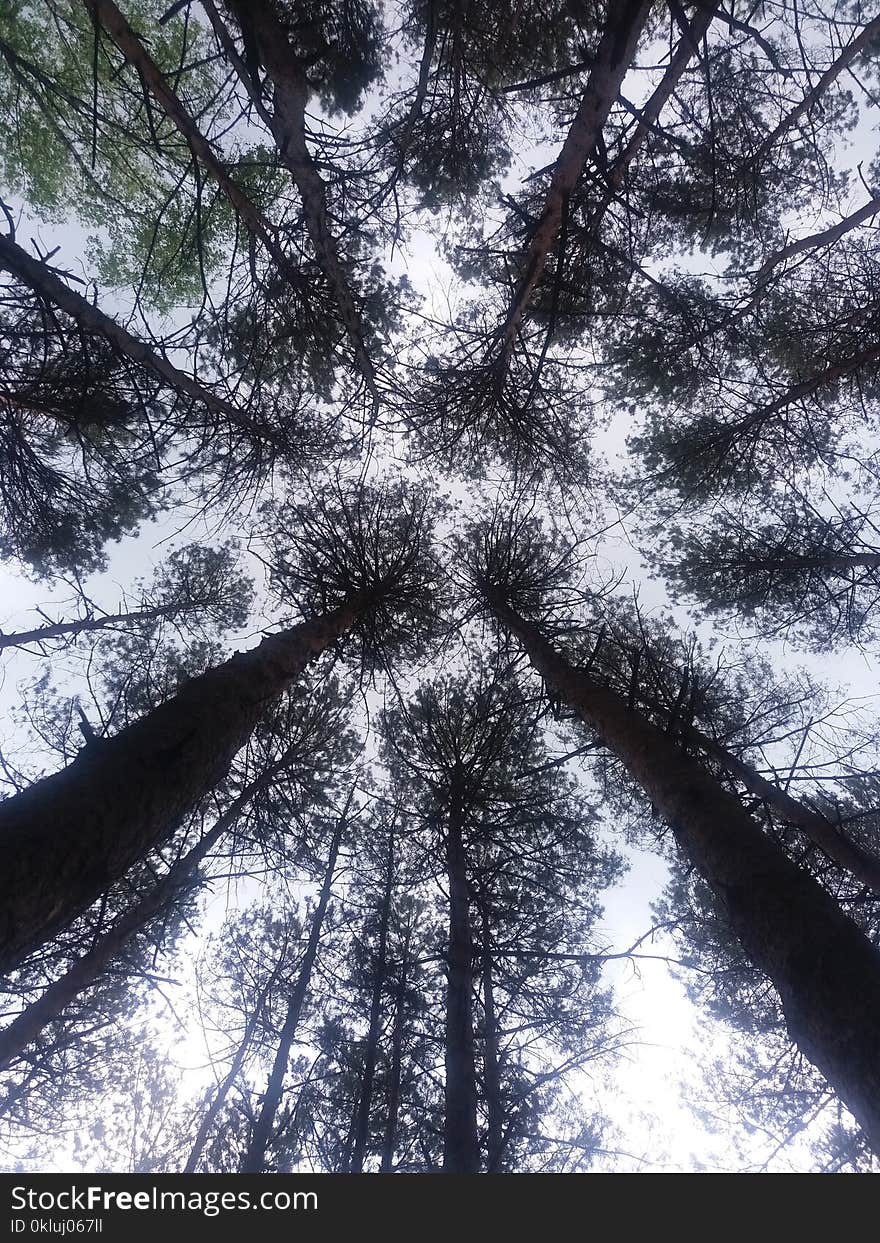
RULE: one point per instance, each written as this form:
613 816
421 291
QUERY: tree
124 794
285 760
197 588
371 1049
255 1158
510 832
800 572
767 900
86 147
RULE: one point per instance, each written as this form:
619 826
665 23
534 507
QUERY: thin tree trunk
226 41
58 630
255 1157
222 1092
94 323
344 1161
825 237
67 838
613 59
687 48
491 1065
833 563
389 1139
421 92
861 863
52 1003
826 972
461 1151
288 124
813 96
106 14
362 1127
727 435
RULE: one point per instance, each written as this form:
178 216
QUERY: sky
642 1097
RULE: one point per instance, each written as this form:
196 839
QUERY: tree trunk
832 563
106 14
362 1127
814 95
59 630
86 970
688 47
389 1140
491 1066
228 1079
613 59
259 23
70 836
255 1158
826 972
94 323
461 1151
344 1159
797 392
825 237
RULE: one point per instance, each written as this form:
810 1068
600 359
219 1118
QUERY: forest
439 581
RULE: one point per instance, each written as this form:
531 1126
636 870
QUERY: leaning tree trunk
812 98
255 1157
614 55
798 391
841 564
688 48
223 1088
92 322
461 1150
105 13
268 39
855 859
104 621
826 972
68 838
362 1125
52 1003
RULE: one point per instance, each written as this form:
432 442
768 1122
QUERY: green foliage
123 171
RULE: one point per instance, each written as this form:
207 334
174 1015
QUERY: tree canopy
438 486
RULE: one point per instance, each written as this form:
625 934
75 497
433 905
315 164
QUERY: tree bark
87 970
613 57
461 1151
826 972
255 1158
362 1126
70 836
